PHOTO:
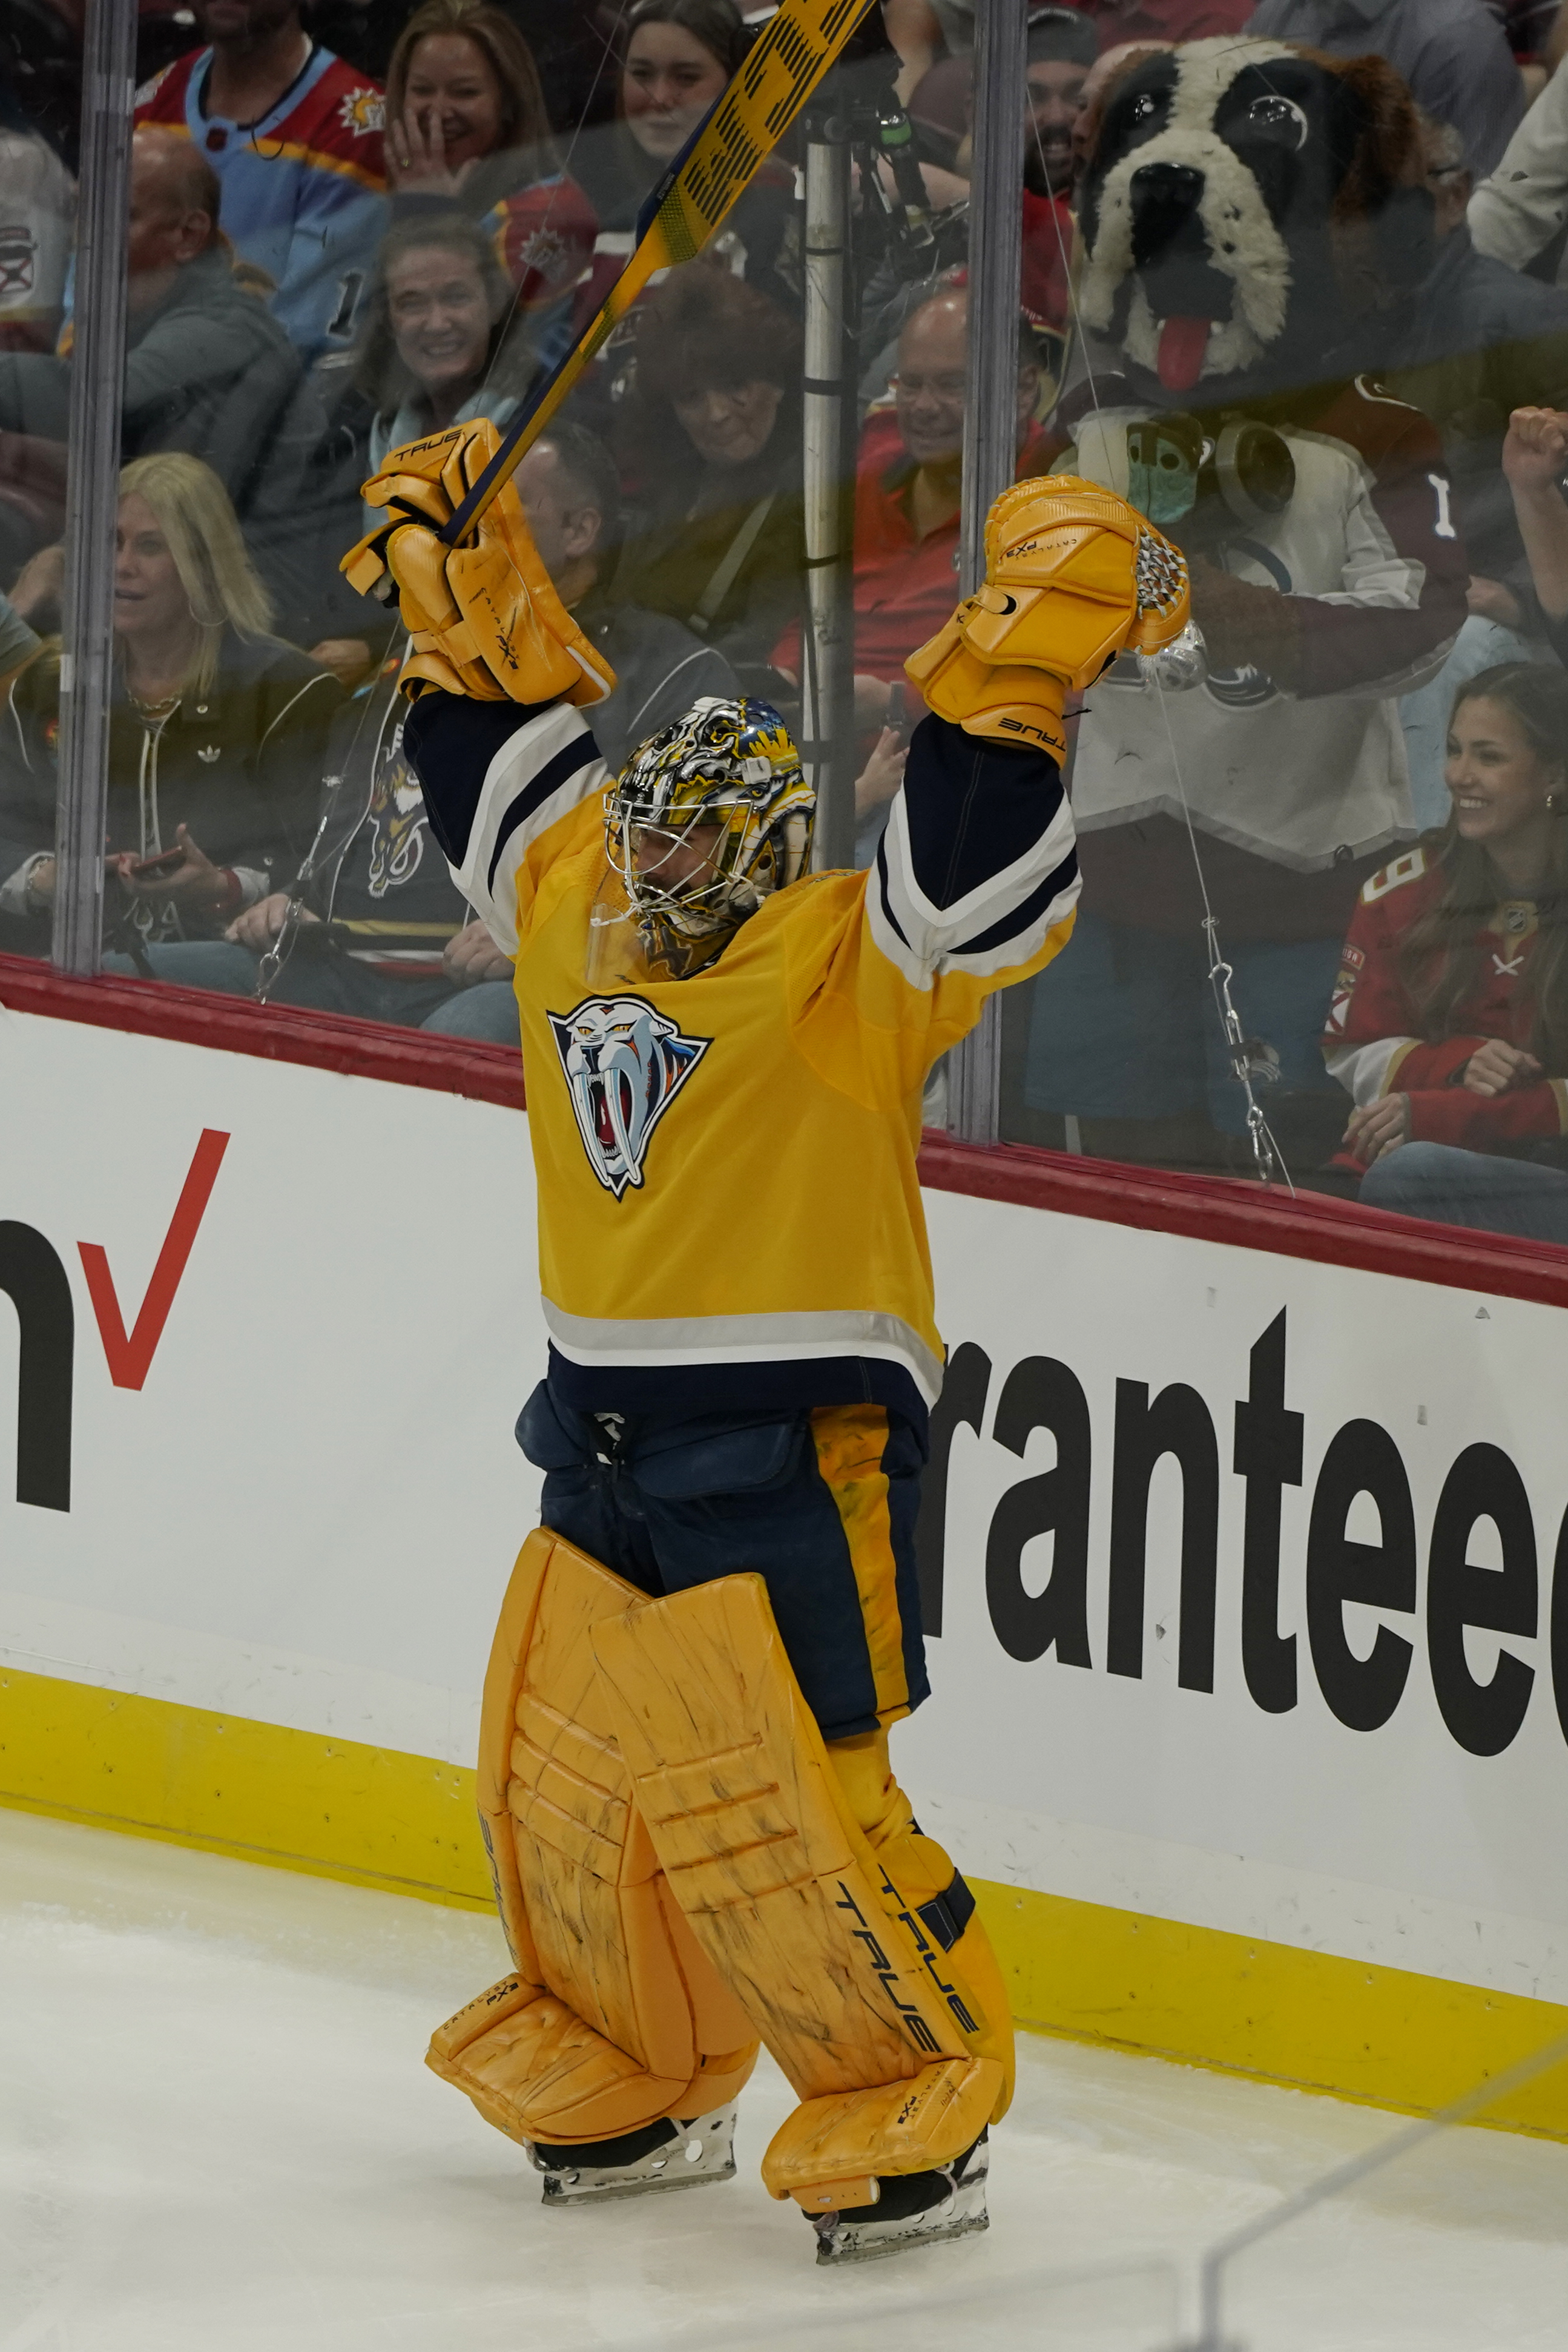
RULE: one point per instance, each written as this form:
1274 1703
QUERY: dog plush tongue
1182 342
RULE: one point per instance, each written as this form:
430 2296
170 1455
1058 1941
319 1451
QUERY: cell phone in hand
162 861
902 711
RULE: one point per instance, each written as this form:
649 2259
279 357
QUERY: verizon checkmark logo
33 1277
130 1354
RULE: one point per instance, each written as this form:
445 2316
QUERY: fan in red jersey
1449 1020
294 135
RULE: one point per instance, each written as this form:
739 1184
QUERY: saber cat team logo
625 1065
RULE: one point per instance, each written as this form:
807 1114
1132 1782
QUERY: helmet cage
729 765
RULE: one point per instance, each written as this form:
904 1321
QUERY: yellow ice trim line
375 1817
294 1799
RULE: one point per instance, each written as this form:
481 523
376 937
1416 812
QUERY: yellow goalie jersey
728 1212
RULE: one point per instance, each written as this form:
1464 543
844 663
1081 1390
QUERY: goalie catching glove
484 617
1073 576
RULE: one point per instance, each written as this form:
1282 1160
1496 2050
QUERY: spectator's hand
1491 601
1535 451
416 157
196 884
40 581
882 774
260 925
41 880
348 658
872 696
1494 1068
1378 1128
472 955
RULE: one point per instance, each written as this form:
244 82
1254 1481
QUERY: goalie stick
715 167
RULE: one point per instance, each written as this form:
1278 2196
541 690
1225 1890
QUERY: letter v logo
130 1359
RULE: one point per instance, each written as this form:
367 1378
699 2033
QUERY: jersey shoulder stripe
1394 876
577 754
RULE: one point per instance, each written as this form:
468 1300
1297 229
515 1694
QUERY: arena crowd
1294 281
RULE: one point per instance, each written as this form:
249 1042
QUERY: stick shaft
773 83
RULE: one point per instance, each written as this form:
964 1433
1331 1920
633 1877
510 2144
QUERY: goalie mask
725 780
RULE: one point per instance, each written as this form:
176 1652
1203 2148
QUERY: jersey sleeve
1456 1114
974 886
1372 1027
504 783
1401 602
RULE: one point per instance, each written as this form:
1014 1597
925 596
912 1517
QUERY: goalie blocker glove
484 617
1074 576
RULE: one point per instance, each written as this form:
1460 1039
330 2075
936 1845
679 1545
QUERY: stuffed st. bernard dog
1245 202
1246 205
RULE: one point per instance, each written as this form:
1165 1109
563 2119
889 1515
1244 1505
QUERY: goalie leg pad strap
887 2047
614 2018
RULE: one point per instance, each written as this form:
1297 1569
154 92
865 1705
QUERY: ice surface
215 2132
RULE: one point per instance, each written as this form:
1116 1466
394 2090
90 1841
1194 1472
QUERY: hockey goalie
697 1839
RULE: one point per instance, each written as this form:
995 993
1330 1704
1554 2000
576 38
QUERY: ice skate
914 2209
665 2155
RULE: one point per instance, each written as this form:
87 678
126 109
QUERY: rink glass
249 703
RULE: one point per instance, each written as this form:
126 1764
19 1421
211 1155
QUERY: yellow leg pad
919 1867
902 2127
615 2017
783 1890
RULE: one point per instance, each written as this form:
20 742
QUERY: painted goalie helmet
725 780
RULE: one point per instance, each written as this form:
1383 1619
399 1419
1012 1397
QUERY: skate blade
615 2192
860 2246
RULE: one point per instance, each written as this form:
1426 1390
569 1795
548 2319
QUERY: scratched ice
215 2130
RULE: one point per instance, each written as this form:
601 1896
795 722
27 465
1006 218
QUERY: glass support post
97 374
828 680
990 420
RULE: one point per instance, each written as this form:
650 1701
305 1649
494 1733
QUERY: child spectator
1449 1020
468 132
218 730
295 137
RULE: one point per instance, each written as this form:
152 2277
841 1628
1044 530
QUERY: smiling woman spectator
711 433
676 58
1449 1024
218 730
439 346
467 131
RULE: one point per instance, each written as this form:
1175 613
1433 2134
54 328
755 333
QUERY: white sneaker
913 2209
665 2155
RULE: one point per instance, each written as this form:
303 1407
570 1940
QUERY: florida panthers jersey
302 189
730 1214
1377 1041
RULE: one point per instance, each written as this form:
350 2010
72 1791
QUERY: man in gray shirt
1453 53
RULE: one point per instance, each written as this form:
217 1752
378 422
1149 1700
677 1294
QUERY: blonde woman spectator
218 730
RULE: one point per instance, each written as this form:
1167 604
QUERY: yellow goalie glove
1073 576
484 617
